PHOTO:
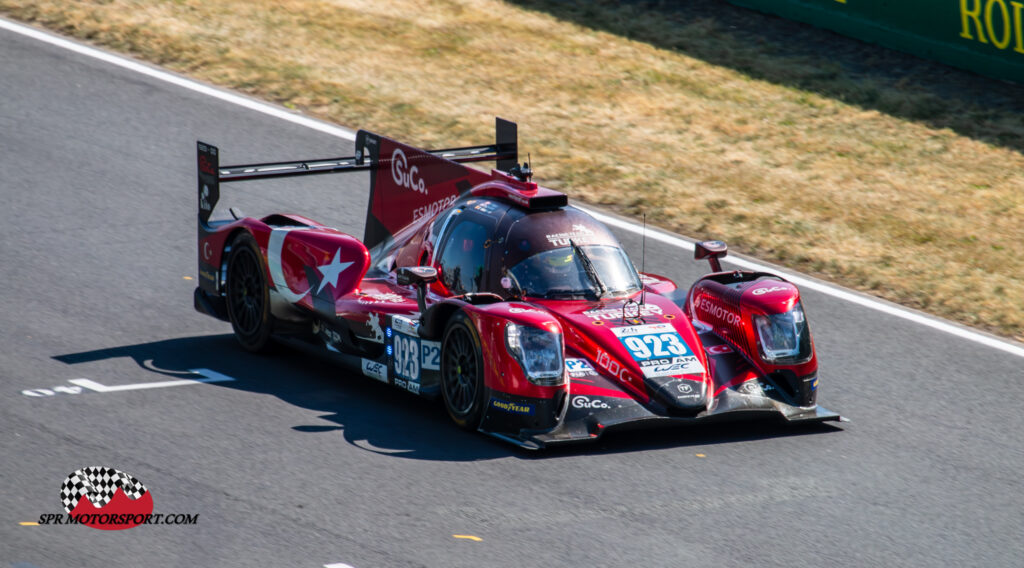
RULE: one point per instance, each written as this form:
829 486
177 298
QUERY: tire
248 296
462 372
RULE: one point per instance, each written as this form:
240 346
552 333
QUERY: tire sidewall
470 420
246 244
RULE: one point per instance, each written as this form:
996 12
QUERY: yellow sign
993 21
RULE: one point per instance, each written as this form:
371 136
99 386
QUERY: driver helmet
559 263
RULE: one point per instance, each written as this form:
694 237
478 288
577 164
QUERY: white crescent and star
332 270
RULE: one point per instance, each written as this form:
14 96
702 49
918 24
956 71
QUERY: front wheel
248 296
462 372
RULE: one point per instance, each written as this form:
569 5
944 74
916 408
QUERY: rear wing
418 179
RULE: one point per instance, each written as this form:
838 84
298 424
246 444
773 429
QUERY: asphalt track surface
297 463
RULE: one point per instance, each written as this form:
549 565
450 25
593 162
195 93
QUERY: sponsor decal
405 325
650 280
433 208
106 498
515 310
659 349
375 370
578 368
713 310
204 163
485 206
405 176
687 365
687 390
579 234
204 199
373 320
616 313
605 361
328 335
763 291
718 349
755 387
512 407
586 402
209 275
381 298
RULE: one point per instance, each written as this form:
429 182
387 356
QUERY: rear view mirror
711 250
418 276
410 275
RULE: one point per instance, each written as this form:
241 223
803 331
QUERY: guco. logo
105 498
403 174
763 291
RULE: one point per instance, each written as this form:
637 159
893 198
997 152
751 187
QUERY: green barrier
984 36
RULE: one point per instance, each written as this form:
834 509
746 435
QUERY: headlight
539 353
783 337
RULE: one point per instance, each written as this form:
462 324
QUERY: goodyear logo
512 407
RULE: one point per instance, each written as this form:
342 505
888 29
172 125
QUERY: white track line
834 291
177 80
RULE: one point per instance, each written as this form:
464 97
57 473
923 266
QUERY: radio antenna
643 261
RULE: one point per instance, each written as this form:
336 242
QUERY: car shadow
789 53
381 419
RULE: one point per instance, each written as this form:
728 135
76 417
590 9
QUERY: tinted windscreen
463 258
561 273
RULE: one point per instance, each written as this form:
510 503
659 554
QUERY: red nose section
654 355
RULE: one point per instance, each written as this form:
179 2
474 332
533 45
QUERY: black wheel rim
461 371
245 292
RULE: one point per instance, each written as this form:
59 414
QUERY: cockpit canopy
558 254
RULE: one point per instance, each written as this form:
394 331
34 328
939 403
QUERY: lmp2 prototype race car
520 311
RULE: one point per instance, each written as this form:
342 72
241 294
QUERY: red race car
520 311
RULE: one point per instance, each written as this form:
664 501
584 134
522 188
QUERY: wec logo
404 175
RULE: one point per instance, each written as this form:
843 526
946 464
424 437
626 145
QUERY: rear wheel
462 372
248 296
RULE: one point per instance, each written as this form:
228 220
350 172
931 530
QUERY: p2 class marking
267 109
204 376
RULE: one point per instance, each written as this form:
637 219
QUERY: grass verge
871 169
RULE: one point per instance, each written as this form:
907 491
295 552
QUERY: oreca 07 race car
520 311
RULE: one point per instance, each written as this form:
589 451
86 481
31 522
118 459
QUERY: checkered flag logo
98 484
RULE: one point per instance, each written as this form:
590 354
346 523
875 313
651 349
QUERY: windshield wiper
588 266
